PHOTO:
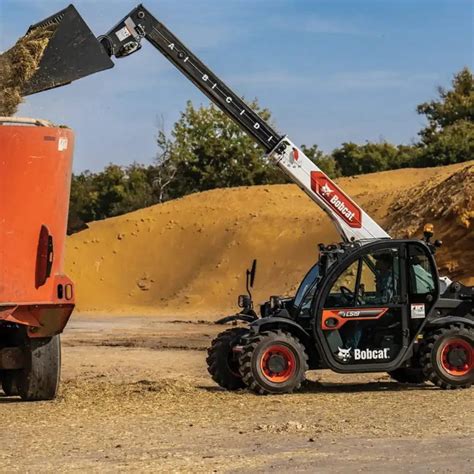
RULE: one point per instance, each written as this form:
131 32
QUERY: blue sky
329 70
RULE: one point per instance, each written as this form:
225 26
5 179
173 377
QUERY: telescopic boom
126 38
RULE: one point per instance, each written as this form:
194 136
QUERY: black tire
40 379
221 362
408 375
446 356
9 385
273 362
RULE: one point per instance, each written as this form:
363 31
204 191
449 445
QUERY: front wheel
447 357
222 363
273 362
39 380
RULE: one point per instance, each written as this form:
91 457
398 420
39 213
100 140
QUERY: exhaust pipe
72 52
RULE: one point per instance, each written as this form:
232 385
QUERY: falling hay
19 64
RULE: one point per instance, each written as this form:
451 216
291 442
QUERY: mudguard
248 318
279 323
443 321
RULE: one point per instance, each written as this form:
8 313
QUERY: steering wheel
349 295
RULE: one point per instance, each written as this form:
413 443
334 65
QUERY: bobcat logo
326 190
344 354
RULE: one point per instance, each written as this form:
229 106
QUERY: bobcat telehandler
369 304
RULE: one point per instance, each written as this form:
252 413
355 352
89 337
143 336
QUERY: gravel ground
136 404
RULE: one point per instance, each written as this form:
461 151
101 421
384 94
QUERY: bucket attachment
71 53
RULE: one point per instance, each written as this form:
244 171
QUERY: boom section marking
140 23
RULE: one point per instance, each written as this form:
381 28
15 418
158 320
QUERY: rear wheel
40 379
9 385
447 357
408 375
222 362
273 362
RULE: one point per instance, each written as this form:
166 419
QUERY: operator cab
371 303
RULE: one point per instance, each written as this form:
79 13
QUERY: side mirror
252 272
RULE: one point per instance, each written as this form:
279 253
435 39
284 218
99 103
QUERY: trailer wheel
9 382
447 356
222 363
273 362
40 379
408 375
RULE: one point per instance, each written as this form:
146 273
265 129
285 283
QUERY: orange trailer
36 298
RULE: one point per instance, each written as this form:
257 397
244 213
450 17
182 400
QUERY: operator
385 292
385 283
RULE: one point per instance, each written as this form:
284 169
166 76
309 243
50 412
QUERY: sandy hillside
187 257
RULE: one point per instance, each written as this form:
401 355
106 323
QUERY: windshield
307 282
423 279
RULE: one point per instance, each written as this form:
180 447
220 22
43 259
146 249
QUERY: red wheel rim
462 347
286 358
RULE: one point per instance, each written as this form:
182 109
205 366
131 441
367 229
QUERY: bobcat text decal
337 200
345 355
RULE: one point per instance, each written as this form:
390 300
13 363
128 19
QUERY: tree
452 106
164 172
352 159
323 161
449 135
111 192
453 144
209 150
82 202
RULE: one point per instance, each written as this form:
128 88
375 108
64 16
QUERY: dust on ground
132 400
19 64
187 257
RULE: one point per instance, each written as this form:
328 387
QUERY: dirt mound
17 66
450 205
187 257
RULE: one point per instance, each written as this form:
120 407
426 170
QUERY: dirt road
136 396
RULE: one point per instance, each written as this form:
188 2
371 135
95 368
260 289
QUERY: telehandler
369 304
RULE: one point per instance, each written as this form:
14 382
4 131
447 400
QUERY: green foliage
82 202
326 162
209 150
353 159
452 106
111 192
453 144
449 136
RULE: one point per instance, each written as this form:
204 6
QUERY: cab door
361 320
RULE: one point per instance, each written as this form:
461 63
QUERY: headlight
244 301
275 302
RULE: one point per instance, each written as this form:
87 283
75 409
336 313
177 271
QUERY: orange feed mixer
35 178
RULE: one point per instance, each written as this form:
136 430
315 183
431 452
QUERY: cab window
420 272
373 279
363 312
306 284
